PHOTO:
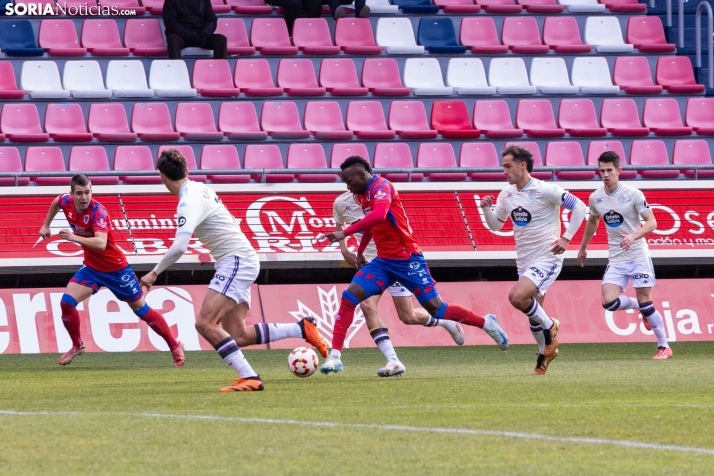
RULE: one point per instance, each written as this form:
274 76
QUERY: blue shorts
413 273
122 283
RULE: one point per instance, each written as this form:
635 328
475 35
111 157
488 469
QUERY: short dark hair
609 157
172 163
356 160
79 179
520 154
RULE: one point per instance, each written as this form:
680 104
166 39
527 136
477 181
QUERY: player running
399 257
227 300
104 265
622 206
347 211
534 209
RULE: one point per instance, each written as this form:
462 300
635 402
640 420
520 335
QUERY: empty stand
340 153
579 119
297 78
500 6
108 123
693 152
8 86
625 6
236 35
355 36
46 159
101 38
324 120
127 79
458 6
480 36
700 115
239 120
366 120
395 155
397 36
416 6
521 35
87 159
21 123
550 76
213 78
425 78
451 120
621 118
136 157
312 37
266 157
536 118
647 34
65 123
605 34
467 76
663 117
169 79
270 37
339 77
143 37
651 152
250 7
408 120
382 77
633 75
541 6
216 157
438 35
17 38
42 80
567 154
592 76
152 122
10 161
254 78
194 121
509 76
439 154
84 79
308 156
562 34
493 118
59 38
281 120
675 74
598 147
480 154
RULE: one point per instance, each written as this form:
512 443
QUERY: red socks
343 321
70 319
157 322
457 313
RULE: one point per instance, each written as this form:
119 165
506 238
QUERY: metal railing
710 40
680 21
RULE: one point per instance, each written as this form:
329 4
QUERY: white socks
537 332
538 314
271 332
381 338
228 349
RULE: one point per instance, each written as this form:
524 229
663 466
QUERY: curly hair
356 160
520 154
172 164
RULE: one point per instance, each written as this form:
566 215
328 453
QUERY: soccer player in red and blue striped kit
399 257
104 265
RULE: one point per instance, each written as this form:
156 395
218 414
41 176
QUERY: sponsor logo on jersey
102 223
614 219
380 195
521 217
182 221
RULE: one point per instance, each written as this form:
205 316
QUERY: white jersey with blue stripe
347 211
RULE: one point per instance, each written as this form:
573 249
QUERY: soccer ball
303 362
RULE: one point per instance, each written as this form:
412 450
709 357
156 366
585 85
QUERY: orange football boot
543 362
69 356
250 384
552 348
179 357
663 353
312 335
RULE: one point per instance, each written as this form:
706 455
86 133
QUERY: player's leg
380 334
614 282
643 280
263 333
412 316
73 295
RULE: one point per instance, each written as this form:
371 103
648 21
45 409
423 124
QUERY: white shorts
397 289
542 273
234 276
640 272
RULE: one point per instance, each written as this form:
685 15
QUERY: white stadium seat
550 76
592 75
605 34
42 80
583 6
425 78
397 36
127 79
169 78
84 79
468 77
382 6
509 76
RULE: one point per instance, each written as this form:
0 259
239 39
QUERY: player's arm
97 242
577 207
590 229
349 256
373 218
493 219
649 226
51 214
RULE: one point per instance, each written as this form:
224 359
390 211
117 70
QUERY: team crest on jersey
414 265
531 195
521 217
613 219
622 199
86 219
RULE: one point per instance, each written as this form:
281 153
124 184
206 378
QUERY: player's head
81 188
356 173
517 163
610 169
172 165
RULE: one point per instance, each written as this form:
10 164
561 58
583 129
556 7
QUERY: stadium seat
383 7
340 153
651 152
521 35
439 154
563 154
10 162
213 78
65 123
59 38
500 6
382 78
21 123
480 36
439 36
451 120
693 152
250 7
663 117
550 76
395 156
583 6
605 34
675 74
239 120
125 5
509 76
46 159
493 118
169 79
216 157
324 120
143 37
281 120
458 6
17 38
366 120
101 38
8 86
597 147
194 121
355 37
42 80
152 122
187 152
536 118
84 79
422 7
541 6
537 158
312 36
266 157
127 79
467 76
297 78
86 159
647 34
592 76
254 78
236 35
108 123
480 154
155 7
579 119
625 6
308 156
621 118
700 115
135 157
632 74
562 35
397 36
408 120
219 7
425 78
339 77
270 37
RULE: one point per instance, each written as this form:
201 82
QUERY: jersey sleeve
64 201
383 193
337 213
189 214
557 195
640 203
501 210
100 219
591 202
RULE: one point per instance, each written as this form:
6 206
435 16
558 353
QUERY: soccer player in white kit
534 208
623 207
227 300
347 210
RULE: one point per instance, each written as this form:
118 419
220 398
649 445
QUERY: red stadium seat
521 34
281 120
579 119
621 118
8 85
270 37
324 120
395 156
624 5
632 74
144 37
254 78
664 118
339 77
21 123
46 159
537 158
186 151
480 154
562 34
136 157
451 120
250 7
541 6
10 162
309 156
693 152
458 6
355 37
101 37
215 157
236 35
266 157
125 5
297 78
480 36
195 121
493 118
564 153
59 38
408 120
647 34
651 152
500 6
86 159
597 147
152 122
676 75
439 154
366 120
239 120
65 123
340 153
213 78
382 77
535 117
218 6
107 122
700 115
312 36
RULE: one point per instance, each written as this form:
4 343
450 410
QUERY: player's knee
203 326
67 303
368 307
517 299
612 305
142 311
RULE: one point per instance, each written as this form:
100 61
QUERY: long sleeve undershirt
174 253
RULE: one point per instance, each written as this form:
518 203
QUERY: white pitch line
416 429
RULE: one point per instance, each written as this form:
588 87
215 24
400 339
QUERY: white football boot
393 369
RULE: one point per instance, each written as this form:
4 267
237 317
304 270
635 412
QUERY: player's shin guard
655 319
70 319
265 333
381 338
157 322
229 351
343 319
622 303
536 313
455 312
537 331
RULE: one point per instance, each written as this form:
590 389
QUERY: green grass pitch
134 414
